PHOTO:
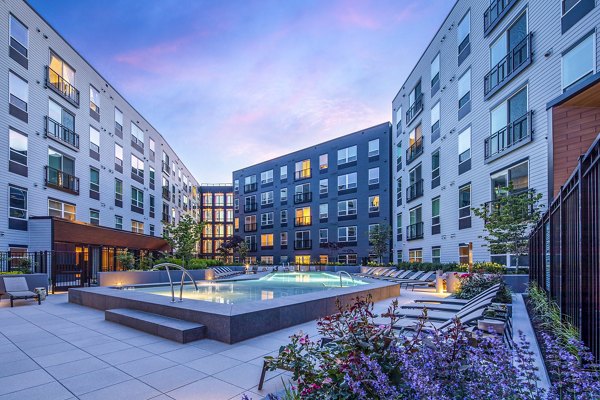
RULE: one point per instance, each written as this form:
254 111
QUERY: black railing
250 227
494 13
25 262
414 231
519 56
250 187
303 197
303 244
57 82
564 248
414 151
506 138
303 221
251 246
61 180
303 174
61 132
166 193
250 207
414 191
414 109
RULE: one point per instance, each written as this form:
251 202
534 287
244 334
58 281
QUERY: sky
233 83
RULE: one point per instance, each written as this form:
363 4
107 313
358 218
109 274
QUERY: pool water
272 286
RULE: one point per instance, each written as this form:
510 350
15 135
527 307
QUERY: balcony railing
516 59
250 207
303 221
250 227
304 244
61 180
55 81
303 174
61 132
166 194
518 131
494 13
414 231
250 187
414 109
303 197
414 191
414 151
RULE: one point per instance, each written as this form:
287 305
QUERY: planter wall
517 283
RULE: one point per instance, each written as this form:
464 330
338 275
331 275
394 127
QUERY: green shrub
425 266
473 284
483 267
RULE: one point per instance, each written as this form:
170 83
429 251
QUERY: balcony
510 66
61 180
57 83
61 133
414 231
508 138
414 151
250 227
166 194
250 207
303 174
250 187
304 197
303 221
414 109
414 191
494 14
303 244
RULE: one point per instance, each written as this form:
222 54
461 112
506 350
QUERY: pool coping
232 323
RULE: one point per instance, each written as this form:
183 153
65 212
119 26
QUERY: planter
517 282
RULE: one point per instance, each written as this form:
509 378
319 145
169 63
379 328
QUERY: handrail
184 272
345 272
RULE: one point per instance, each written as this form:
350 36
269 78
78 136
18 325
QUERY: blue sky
232 83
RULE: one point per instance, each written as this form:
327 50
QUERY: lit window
463 253
415 255
137 226
60 209
94 100
579 62
266 240
374 203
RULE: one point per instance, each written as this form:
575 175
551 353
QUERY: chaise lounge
16 289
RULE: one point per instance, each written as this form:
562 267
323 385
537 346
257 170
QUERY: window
94 140
137 166
283 195
508 124
399 191
435 169
95 181
266 198
137 226
399 226
283 172
347 207
137 197
346 155
152 206
517 175
152 175
463 254
415 255
303 169
266 219
219 199
347 234
18 147
118 155
373 148
151 232
137 136
18 91
118 120
373 204
323 211
323 186
207 199
399 120
414 102
435 216
229 199
567 5
508 53
118 222
283 239
61 124
323 235
464 89
435 70
62 78
464 207
436 255
17 202
579 61
94 100
415 144
266 177
323 163
94 217
303 216
464 145
347 181
19 36
373 176
165 163
463 32
60 209
348 259
283 216
118 190
435 122
266 240
153 152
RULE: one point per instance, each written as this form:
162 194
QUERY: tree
229 246
126 259
243 250
183 237
379 238
508 220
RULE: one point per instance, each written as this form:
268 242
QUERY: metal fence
564 249
24 261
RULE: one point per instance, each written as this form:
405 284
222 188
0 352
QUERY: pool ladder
345 273
184 272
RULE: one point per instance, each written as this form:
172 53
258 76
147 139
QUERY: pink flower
327 381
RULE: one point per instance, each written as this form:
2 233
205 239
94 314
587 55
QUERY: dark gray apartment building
216 211
317 204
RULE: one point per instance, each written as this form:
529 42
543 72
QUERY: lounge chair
16 288
447 307
466 319
408 277
443 315
452 300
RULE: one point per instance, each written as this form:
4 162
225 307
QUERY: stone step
169 328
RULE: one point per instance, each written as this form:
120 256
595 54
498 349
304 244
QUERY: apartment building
473 116
82 170
316 204
216 211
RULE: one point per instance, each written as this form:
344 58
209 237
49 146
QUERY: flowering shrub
365 360
484 267
473 284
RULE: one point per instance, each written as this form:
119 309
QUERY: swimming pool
272 286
